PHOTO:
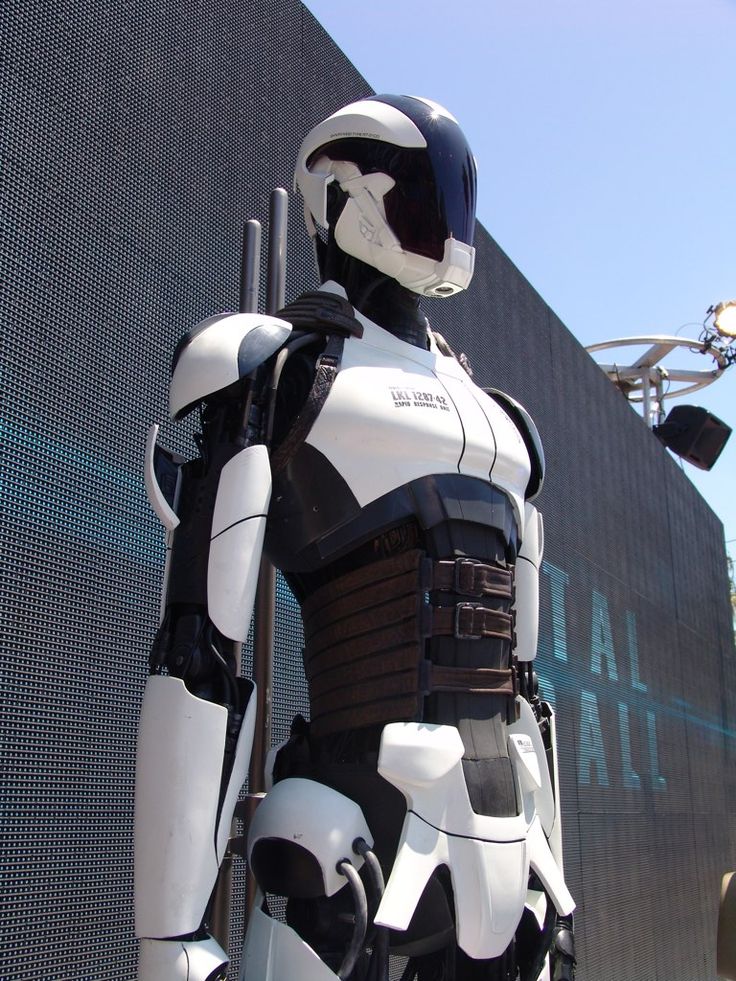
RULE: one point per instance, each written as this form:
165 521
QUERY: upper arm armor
219 352
530 434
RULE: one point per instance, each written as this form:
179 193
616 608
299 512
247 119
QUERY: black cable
346 868
379 958
230 677
362 848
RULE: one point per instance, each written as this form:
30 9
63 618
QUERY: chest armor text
397 413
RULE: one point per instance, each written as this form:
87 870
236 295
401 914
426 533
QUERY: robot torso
396 419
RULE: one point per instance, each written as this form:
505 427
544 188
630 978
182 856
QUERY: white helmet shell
392 233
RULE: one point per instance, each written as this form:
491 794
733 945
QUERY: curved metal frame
631 379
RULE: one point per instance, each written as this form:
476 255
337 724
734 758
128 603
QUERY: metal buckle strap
469 577
470 621
474 681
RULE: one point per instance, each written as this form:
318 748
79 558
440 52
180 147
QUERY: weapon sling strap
365 636
316 313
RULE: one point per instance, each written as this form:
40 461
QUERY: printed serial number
404 397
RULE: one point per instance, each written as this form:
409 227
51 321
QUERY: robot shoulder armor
220 351
530 434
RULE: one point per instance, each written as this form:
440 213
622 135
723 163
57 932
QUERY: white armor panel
526 580
396 413
238 528
545 865
166 514
424 761
179 840
219 352
554 835
488 857
319 819
489 881
274 952
374 119
526 749
536 903
526 762
179 959
544 798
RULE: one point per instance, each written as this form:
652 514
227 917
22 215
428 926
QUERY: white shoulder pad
220 351
526 426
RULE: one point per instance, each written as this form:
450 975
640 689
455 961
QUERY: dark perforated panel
136 139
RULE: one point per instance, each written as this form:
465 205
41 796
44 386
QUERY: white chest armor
396 413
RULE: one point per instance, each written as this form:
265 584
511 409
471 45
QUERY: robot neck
377 296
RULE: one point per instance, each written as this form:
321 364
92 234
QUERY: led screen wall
136 140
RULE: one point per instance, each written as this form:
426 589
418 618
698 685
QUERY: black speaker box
694 434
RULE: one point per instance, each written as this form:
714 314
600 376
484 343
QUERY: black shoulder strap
324 376
321 312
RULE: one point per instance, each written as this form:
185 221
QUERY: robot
417 813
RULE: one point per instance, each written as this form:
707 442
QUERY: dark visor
434 195
445 172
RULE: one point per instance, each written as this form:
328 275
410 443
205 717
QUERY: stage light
690 432
725 318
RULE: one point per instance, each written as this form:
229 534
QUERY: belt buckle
461 564
458 633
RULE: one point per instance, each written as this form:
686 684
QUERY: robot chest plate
396 413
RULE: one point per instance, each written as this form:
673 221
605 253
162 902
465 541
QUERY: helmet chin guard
409 181
423 275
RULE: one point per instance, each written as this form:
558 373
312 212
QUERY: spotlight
725 318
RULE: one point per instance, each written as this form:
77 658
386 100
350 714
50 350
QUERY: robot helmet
408 181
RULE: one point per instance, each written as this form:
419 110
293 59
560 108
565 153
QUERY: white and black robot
417 811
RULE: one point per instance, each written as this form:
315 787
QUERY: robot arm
526 604
537 718
538 723
198 717
531 533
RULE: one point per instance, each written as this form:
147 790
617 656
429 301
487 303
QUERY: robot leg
306 842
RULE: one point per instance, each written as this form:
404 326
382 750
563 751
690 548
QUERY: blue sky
605 134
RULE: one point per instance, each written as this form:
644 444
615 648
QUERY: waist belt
365 635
